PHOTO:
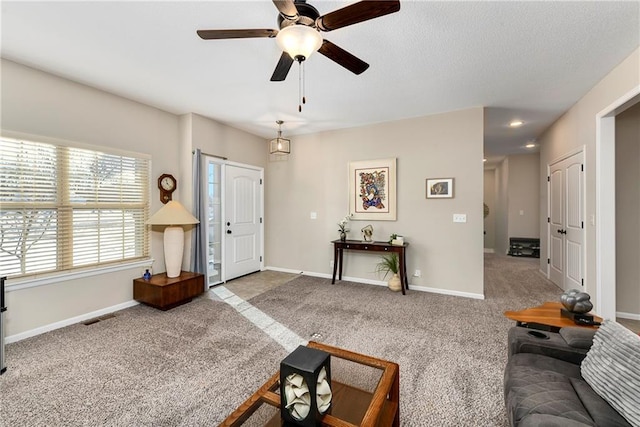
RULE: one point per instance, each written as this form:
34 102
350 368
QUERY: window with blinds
63 208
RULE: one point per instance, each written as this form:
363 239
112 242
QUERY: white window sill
33 282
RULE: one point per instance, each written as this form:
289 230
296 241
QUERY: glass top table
366 392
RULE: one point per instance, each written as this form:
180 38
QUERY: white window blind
63 207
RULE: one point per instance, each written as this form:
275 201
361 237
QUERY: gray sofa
543 383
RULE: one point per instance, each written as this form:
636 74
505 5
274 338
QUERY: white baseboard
284 270
489 251
446 292
630 316
381 283
68 322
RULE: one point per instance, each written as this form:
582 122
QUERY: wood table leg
335 264
340 251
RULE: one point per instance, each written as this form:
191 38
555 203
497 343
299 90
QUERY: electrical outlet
417 273
330 264
459 217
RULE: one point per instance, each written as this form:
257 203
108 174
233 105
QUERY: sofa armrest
578 337
524 340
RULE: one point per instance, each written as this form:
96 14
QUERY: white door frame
605 202
580 150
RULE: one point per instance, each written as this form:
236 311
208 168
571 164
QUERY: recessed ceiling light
516 123
530 145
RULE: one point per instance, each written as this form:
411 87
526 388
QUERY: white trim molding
68 322
380 283
605 203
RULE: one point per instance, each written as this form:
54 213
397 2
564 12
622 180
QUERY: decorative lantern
305 386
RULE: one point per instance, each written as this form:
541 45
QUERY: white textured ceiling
527 60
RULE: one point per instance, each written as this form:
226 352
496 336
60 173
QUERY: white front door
566 222
242 221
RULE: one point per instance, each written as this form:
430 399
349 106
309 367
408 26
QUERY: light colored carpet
194 364
451 350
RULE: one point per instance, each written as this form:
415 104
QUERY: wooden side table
545 317
166 293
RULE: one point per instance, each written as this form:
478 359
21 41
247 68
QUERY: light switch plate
313 215
459 217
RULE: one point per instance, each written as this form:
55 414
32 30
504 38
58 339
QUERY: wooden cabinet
165 293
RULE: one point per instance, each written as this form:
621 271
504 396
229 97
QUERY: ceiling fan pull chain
300 86
304 98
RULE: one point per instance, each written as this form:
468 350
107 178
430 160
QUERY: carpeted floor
194 364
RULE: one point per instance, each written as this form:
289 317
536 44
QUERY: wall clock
167 185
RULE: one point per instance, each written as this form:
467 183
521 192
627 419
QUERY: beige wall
490 201
315 177
38 103
577 128
502 207
628 211
524 195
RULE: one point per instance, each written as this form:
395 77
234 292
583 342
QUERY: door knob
228 223
228 231
559 231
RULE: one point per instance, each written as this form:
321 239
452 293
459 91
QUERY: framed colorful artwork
372 190
439 188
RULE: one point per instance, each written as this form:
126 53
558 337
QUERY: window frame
64 273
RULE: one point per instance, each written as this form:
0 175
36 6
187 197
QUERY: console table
167 292
339 246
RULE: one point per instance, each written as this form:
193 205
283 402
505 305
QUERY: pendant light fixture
280 145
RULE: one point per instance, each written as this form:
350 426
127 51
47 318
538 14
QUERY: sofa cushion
612 369
537 384
546 420
599 410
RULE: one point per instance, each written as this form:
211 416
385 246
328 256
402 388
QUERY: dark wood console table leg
335 264
340 252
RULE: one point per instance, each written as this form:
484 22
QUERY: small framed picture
439 188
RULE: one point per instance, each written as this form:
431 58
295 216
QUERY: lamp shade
173 213
299 41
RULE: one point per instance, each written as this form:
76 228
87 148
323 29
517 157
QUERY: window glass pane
27 241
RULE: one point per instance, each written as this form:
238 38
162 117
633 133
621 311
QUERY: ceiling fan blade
342 57
287 9
357 12
283 67
236 34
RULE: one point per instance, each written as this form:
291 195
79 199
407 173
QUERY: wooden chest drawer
165 293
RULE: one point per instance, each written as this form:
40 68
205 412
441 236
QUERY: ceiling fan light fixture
299 41
280 145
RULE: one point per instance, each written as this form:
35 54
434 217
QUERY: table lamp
173 215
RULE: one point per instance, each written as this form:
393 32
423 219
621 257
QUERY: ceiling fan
300 23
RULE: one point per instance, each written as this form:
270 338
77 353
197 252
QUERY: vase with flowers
342 227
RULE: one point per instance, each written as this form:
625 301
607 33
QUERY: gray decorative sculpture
576 301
